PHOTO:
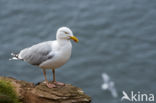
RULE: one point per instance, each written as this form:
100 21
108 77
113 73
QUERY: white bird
49 54
109 85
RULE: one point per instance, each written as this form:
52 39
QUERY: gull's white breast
61 54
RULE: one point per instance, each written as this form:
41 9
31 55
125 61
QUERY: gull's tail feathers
14 56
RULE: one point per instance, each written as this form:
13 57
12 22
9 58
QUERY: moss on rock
7 93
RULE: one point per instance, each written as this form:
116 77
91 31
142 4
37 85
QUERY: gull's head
66 34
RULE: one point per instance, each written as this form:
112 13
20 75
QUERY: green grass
7 93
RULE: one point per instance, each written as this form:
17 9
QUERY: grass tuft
7 93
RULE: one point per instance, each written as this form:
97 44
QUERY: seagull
109 85
49 54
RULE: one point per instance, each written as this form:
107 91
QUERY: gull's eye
65 32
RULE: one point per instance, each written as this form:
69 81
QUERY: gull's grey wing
105 77
113 89
114 92
38 53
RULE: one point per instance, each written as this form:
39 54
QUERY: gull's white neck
62 42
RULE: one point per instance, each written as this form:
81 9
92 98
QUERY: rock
40 93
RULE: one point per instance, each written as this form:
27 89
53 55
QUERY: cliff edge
29 93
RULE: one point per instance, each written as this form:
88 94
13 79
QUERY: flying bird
49 54
109 85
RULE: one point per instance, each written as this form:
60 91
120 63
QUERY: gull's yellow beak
74 38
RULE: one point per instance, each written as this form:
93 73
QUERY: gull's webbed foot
59 83
51 85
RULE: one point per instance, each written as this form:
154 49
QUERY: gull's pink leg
54 80
49 85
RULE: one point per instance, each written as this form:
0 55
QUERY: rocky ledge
29 93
